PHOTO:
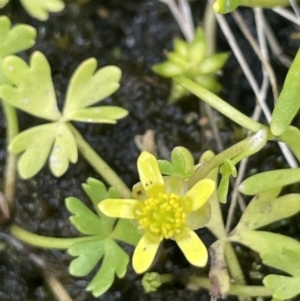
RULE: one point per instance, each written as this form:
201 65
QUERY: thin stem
235 289
43 241
236 150
12 129
287 14
99 164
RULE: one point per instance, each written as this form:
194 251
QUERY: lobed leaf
269 180
40 9
115 261
33 90
87 87
88 254
13 40
182 163
16 39
97 192
63 151
36 144
84 220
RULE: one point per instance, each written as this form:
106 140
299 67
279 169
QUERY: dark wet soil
132 35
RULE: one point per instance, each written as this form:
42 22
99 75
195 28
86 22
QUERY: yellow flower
167 210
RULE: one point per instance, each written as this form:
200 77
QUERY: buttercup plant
173 198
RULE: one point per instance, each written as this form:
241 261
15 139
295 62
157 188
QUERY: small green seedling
32 91
191 60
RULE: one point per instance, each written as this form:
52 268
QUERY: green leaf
64 150
286 259
87 87
209 82
227 170
288 102
86 221
88 254
40 9
127 231
269 180
13 40
16 39
263 241
97 192
167 69
213 63
181 48
36 144
291 137
33 91
264 210
182 163
104 114
115 261
284 287
197 48
3 3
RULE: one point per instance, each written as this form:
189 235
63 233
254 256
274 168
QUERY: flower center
164 215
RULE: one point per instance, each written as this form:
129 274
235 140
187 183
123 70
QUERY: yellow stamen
163 215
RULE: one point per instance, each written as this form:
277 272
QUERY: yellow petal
123 208
193 248
150 175
199 194
145 252
138 192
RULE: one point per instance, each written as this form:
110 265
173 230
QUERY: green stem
219 104
227 6
264 3
240 150
99 164
12 129
43 241
235 289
